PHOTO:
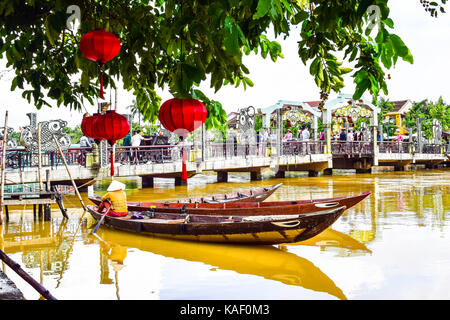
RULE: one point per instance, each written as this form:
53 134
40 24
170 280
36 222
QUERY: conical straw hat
116 185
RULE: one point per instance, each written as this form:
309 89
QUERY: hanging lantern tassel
184 171
112 161
101 85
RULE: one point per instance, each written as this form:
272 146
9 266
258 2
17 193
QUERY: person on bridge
117 197
343 135
136 140
288 135
305 134
127 143
342 140
85 143
300 134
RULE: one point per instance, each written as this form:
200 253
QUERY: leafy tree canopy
428 111
180 43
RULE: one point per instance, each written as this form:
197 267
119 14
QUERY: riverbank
8 290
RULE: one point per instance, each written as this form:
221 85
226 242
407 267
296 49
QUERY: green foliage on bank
428 111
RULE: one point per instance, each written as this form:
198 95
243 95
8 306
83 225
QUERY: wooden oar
89 183
101 220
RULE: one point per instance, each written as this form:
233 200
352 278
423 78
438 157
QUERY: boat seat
172 221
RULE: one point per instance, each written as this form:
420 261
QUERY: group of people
352 135
136 139
302 135
263 136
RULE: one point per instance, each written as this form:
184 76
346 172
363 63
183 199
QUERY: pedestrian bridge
149 162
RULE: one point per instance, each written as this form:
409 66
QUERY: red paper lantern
111 126
182 116
100 46
89 125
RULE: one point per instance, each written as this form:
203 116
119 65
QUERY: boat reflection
263 261
333 238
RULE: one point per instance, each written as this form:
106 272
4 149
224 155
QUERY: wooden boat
269 229
251 195
246 208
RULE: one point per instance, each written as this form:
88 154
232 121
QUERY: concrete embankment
8 290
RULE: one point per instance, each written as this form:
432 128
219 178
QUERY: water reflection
44 245
263 261
330 238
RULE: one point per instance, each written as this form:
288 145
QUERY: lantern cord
101 85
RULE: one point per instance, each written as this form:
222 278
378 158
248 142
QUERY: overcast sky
288 79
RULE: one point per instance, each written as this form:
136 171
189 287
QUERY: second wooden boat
251 195
269 229
247 208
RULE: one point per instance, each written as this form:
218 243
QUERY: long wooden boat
269 229
246 208
251 195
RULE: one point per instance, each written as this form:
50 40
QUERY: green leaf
313 69
400 48
262 9
389 22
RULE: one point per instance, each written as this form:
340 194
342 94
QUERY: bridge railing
352 148
302 148
21 158
395 147
149 154
263 149
231 149
431 148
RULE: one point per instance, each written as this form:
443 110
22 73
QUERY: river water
393 245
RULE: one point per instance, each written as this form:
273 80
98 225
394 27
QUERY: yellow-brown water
393 245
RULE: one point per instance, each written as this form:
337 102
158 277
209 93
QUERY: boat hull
249 208
267 230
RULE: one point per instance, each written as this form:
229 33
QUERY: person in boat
117 197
